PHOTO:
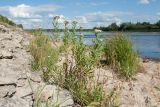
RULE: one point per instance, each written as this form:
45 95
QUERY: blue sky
88 13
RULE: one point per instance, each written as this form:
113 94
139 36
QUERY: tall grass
76 72
120 55
44 55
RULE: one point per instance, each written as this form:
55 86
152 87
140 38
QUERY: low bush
120 55
4 20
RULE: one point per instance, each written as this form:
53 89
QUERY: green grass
5 21
44 55
120 55
76 72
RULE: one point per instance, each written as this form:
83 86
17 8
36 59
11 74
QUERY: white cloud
62 18
98 3
35 20
81 19
95 19
24 22
51 15
45 8
106 16
158 13
4 8
30 23
147 18
20 11
27 11
29 15
144 1
100 18
116 20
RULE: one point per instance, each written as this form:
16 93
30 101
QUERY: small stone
2 46
7 91
5 54
35 77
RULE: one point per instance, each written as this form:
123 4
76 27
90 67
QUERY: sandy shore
139 91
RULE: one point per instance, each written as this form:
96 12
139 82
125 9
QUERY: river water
146 44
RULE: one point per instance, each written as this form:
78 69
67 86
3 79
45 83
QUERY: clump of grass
120 55
44 55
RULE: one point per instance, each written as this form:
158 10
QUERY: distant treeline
128 26
5 20
60 30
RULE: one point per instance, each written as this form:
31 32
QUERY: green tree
158 23
113 27
5 20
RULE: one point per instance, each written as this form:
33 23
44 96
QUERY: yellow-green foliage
78 77
43 53
79 72
120 55
76 73
6 21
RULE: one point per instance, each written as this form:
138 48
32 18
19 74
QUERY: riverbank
19 84
145 44
142 90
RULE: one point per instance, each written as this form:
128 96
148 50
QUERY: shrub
4 20
120 55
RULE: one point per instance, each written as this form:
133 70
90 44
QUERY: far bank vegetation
5 21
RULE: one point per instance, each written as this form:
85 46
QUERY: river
146 44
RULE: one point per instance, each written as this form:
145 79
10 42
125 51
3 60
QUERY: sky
88 13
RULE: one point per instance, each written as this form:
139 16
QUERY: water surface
147 44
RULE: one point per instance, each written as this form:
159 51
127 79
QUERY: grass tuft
44 55
120 55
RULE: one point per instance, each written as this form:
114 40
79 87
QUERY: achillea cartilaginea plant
76 71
